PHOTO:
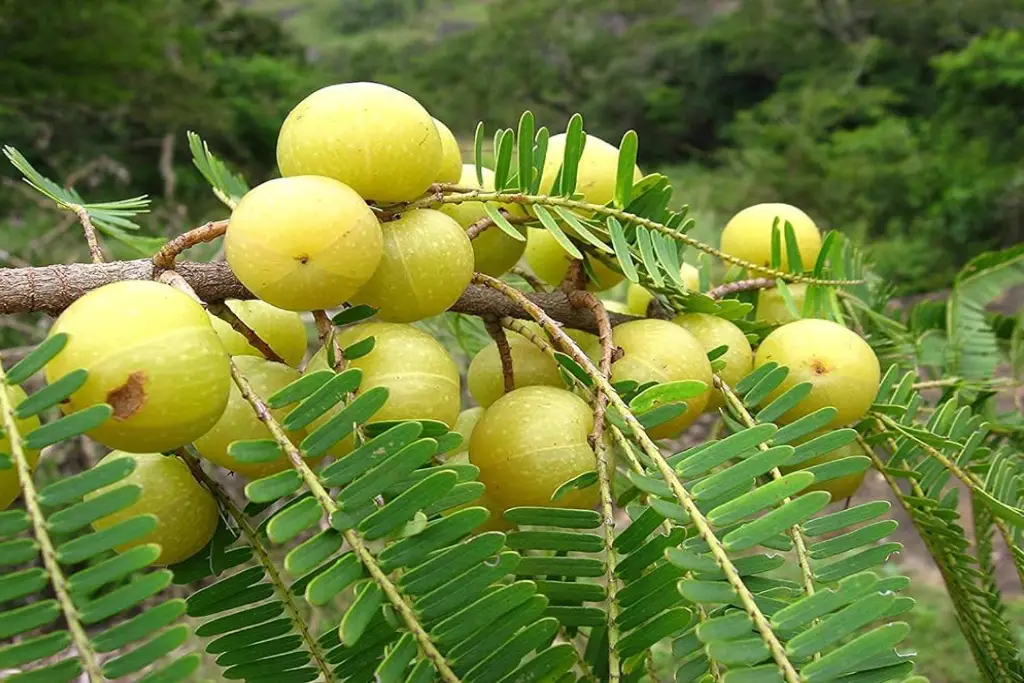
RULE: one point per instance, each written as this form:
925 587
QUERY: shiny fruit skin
451 155
282 330
185 511
494 251
771 307
748 234
660 351
426 265
152 354
841 488
303 243
530 367
550 262
239 421
10 489
638 298
712 332
841 366
597 171
531 441
374 138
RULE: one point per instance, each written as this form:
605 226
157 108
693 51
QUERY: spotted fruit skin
550 262
842 368
660 351
841 488
494 252
10 488
597 171
531 441
712 332
427 264
451 156
748 234
239 421
186 512
303 243
530 367
152 354
638 298
771 307
282 330
374 138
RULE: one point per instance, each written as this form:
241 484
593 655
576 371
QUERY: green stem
57 579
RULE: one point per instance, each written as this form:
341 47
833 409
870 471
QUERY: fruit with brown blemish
530 367
748 234
638 298
303 243
451 156
374 138
152 355
842 368
185 511
427 264
550 262
713 332
282 330
10 488
771 306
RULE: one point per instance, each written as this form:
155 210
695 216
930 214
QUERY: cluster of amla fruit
312 240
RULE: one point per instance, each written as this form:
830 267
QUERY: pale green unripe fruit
615 306
530 366
638 298
152 355
660 351
451 156
531 441
597 171
186 512
748 234
494 251
10 489
841 367
239 421
712 332
303 243
282 330
427 264
771 307
550 262
377 140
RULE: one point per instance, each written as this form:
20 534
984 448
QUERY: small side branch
95 251
535 283
497 333
725 290
221 310
167 255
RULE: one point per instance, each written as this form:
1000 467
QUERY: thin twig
167 255
497 333
535 282
740 286
90 232
325 330
221 310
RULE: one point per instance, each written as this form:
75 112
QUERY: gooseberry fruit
10 488
550 262
596 173
303 243
841 367
530 366
531 441
712 332
659 351
240 423
186 513
464 425
840 487
638 298
282 330
748 234
426 265
152 355
374 138
494 251
451 156
771 307
613 306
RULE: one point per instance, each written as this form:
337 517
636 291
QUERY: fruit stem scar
130 397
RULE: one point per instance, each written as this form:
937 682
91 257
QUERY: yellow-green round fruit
531 441
638 298
239 421
494 251
771 307
748 234
841 488
530 367
712 332
613 306
427 264
303 243
841 367
282 330
659 351
152 355
10 489
451 156
186 514
550 262
421 378
595 176
377 140
464 425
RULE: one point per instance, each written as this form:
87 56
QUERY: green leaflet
80 515
255 451
139 626
357 617
51 395
324 398
83 547
75 424
341 425
274 487
37 358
